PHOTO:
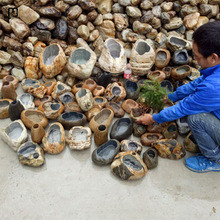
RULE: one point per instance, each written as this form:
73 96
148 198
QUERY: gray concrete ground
71 186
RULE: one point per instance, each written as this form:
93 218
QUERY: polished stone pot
150 158
15 109
4 108
130 145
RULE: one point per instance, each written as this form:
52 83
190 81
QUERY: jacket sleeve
203 100
185 90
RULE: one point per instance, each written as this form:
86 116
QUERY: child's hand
145 119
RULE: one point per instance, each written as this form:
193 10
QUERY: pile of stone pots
69 57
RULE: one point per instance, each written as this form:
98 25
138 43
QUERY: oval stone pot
79 138
166 84
169 148
181 72
98 91
14 134
31 154
104 78
54 139
49 86
139 130
37 133
131 90
32 116
52 110
52 60
116 108
104 117
89 84
81 62
180 57
27 83
114 92
11 79
77 87
157 75
156 128
27 100
150 158
148 138
93 111
39 102
105 153
190 144
121 129
128 104
162 57
113 58
167 71
70 119
59 89
99 100
170 131
130 145
4 108
66 97
85 99
128 166
142 57
177 43
15 109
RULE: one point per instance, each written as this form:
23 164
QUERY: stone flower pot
142 57
162 57
4 108
85 99
148 138
177 43
180 57
181 72
129 104
114 92
15 109
190 144
31 154
54 139
89 84
131 90
116 108
37 133
130 145
81 63
79 138
156 75
113 58
128 166
150 158
92 112
14 134
52 60
27 100
27 83
170 131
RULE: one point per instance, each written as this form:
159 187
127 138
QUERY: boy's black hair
207 38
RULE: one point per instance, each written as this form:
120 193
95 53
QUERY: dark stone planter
122 129
180 57
150 158
104 79
70 119
105 154
131 90
15 109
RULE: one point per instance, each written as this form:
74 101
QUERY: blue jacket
199 96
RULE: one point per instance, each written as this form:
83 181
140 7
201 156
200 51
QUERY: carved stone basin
31 154
14 134
116 108
180 57
32 116
130 145
70 119
79 138
148 138
27 100
181 72
27 83
128 166
4 107
105 153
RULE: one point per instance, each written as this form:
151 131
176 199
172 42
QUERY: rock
20 29
120 21
202 20
104 6
16 58
83 31
4 57
130 145
27 14
5 26
84 99
42 35
133 12
106 29
31 68
28 49
117 8
79 138
74 12
12 44
4 108
14 134
128 166
191 20
150 158
50 11
175 23
62 6
61 29
45 24
87 5
141 28
105 153
31 154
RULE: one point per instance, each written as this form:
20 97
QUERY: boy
200 101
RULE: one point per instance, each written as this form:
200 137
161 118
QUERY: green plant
152 94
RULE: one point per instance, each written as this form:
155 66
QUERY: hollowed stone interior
14 130
152 137
181 56
34 116
4 103
54 134
67 98
55 106
72 116
107 150
155 74
90 82
192 139
25 98
178 41
9 78
79 134
122 126
161 57
81 93
102 127
50 54
132 146
131 86
79 85
103 116
166 84
114 106
173 142
131 162
99 100
114 48
116 90
80 56
48 84
60 87
28 149
151 153
30 82
171 128
142 48
182 69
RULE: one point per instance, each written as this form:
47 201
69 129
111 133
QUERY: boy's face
202 61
